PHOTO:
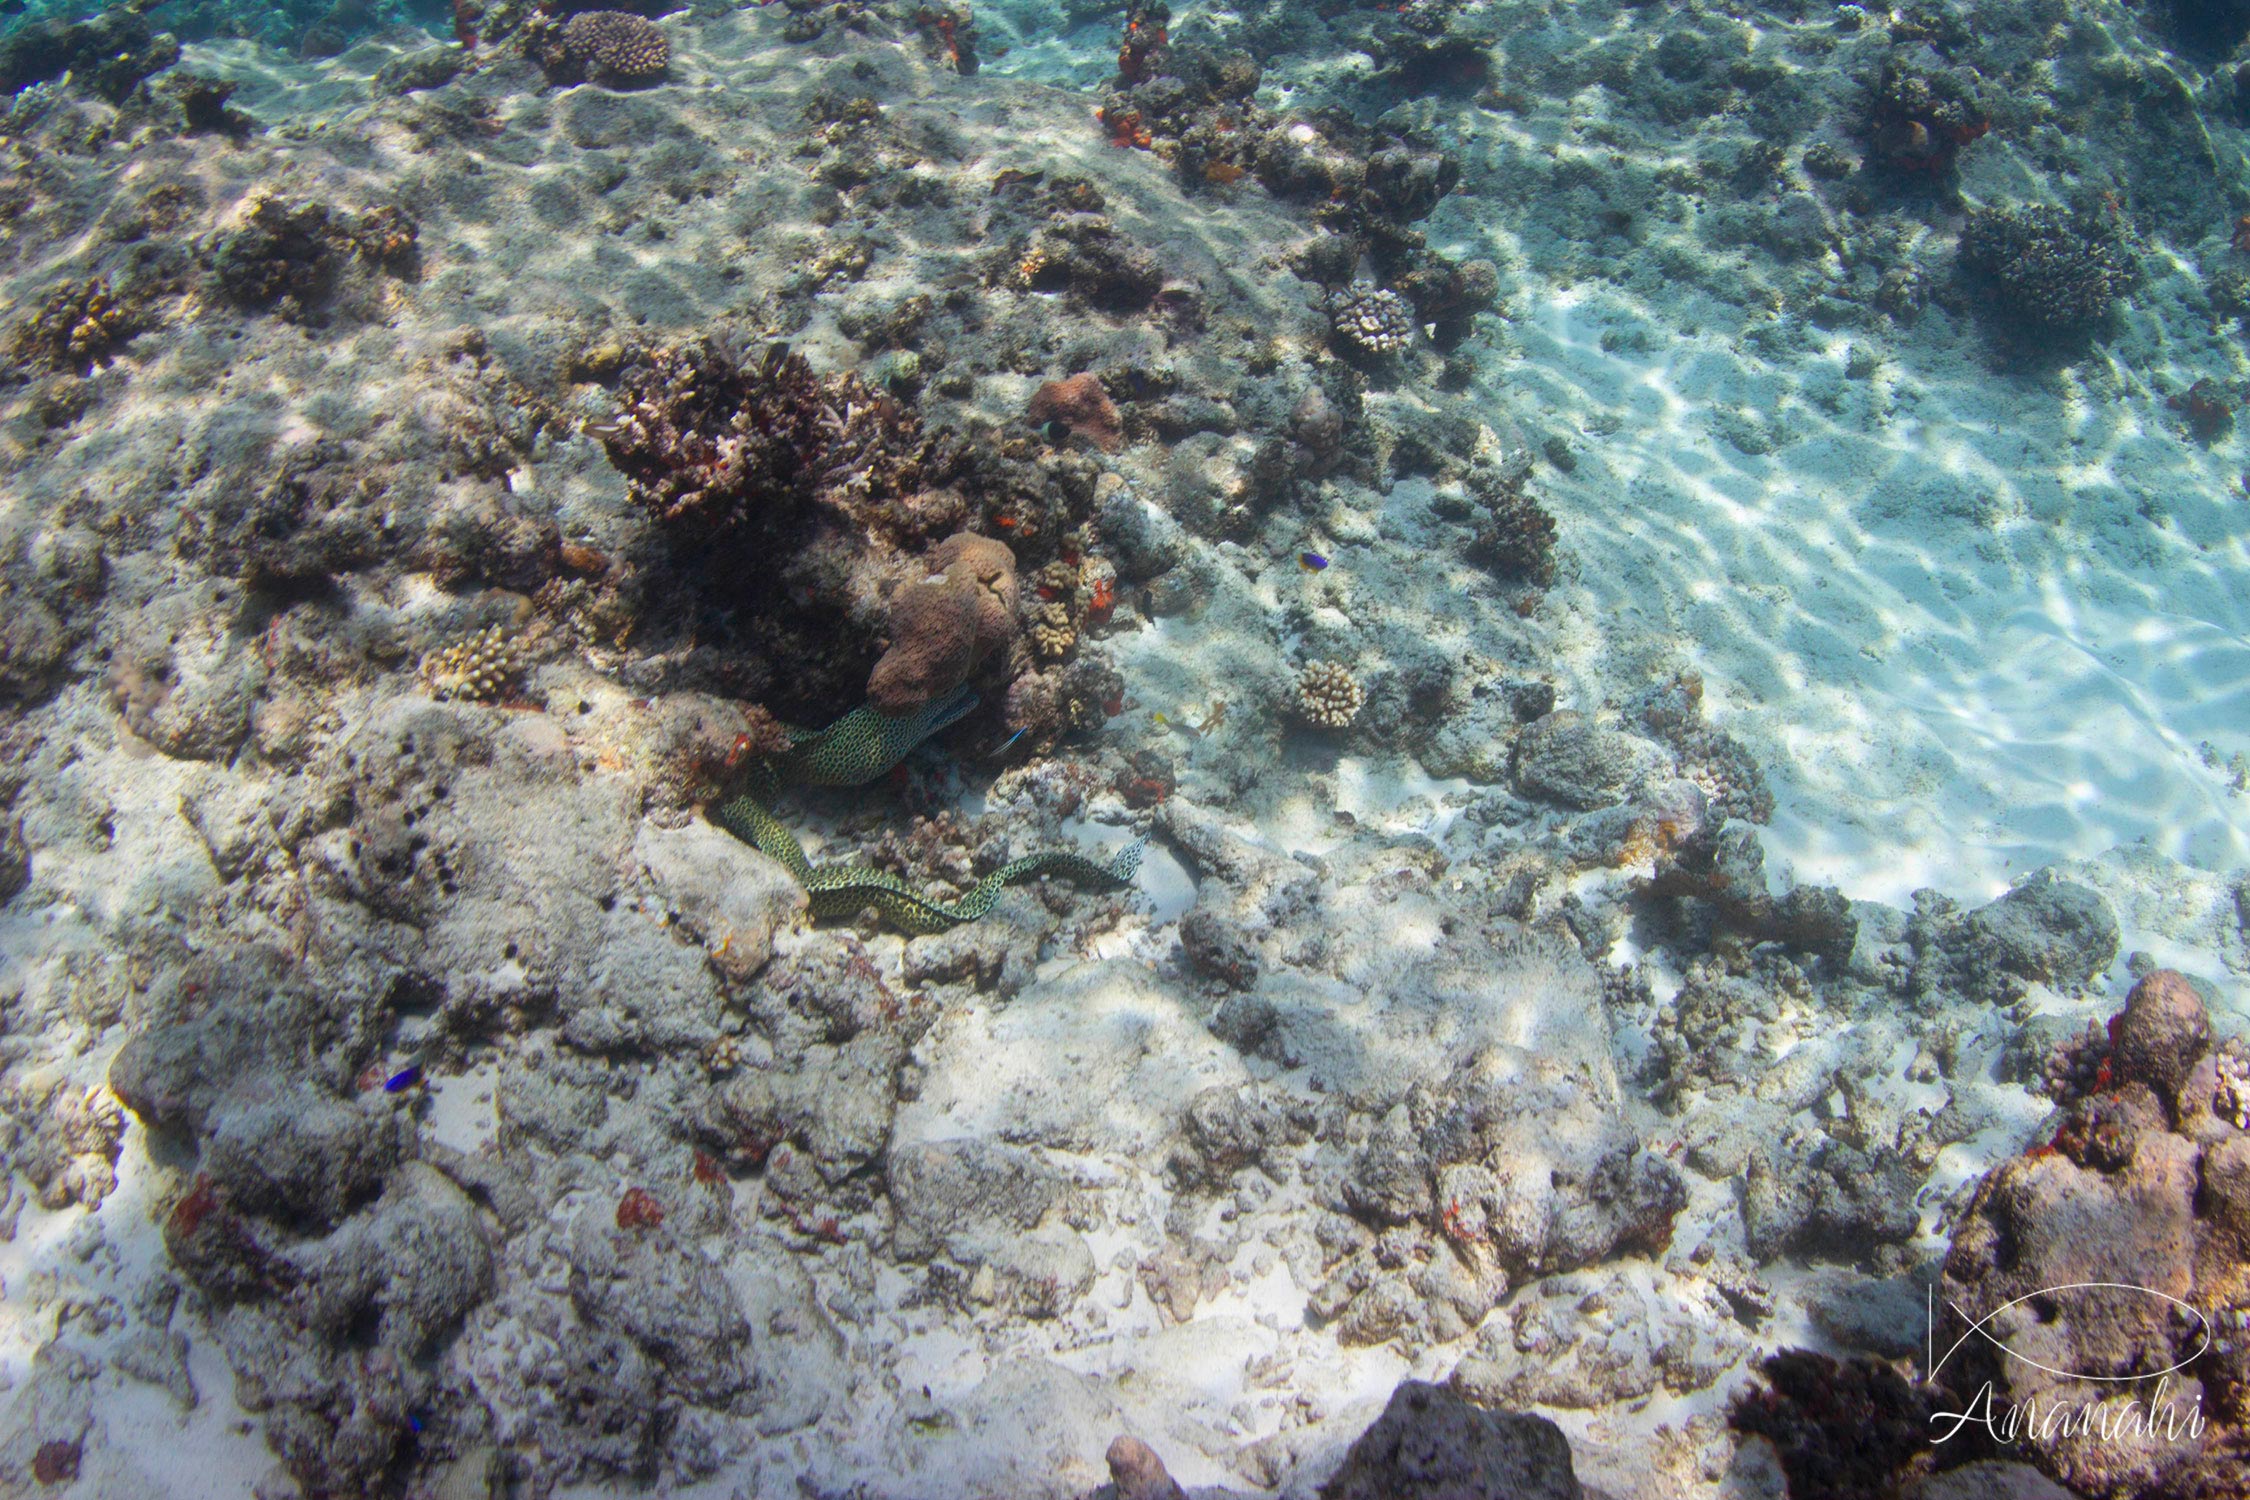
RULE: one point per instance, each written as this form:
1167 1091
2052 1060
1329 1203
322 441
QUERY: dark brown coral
609 46
715 447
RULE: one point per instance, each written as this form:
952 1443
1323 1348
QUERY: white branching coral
1328 695
475 670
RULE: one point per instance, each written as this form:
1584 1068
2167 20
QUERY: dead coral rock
1081 405
2048 929
1139 1474
291 257
2080 1254
1568 757
2164 1032
672 1304
943 624
1841 1428
1430 1443
1086 255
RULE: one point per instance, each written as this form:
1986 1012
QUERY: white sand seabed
1944 649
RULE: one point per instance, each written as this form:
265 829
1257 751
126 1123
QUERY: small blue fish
1311 562
404 1079
1010 743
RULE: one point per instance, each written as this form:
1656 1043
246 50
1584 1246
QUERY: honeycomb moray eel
852 752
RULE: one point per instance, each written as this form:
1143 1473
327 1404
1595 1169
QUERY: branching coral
1371 320
710 444
477 669
610 46
2050 270
78 326
1053 632
1329 695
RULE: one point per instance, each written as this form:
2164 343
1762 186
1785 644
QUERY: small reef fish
1211 721
404 1079
1311 562
1009 743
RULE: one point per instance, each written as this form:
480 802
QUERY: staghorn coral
609 46
474 670
1328 694
1371 320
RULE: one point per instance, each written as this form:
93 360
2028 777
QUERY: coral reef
108 54
609 46
477 669
2049 270
1371 320
1328 695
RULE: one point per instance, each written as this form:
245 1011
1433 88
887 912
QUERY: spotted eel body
852 752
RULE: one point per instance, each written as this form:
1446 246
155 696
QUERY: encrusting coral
1329 695
1081 405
